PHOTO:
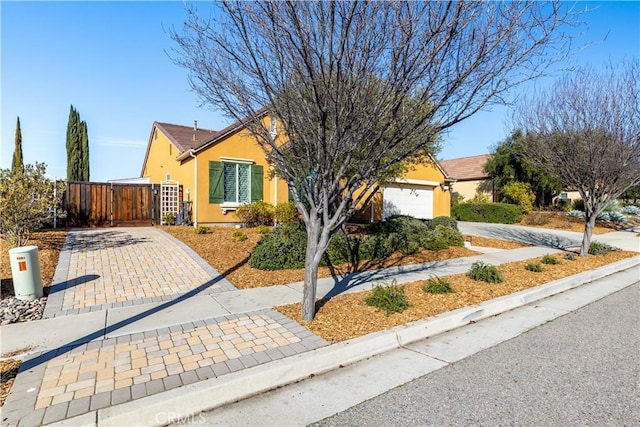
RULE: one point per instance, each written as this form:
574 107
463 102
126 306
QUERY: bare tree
585 131
362 89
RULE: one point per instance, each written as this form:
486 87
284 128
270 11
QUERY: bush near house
501 213
519 193
285 247
254 214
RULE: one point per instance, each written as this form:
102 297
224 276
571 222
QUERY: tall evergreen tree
77 148
17 164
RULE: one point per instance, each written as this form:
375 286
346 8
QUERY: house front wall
469 189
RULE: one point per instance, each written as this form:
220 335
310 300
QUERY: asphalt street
580 369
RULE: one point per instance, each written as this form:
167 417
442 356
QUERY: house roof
186 137
466 168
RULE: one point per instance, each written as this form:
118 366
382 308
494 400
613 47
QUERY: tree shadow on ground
86 240
67 284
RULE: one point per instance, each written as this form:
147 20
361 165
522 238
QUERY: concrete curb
186 402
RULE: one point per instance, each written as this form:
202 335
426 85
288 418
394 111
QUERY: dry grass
494 243
231 258
347 316
49 243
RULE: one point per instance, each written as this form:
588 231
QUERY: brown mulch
219 249
347 316
49 243
8 371
561 221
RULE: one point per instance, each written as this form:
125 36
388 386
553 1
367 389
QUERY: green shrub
239 236
256 213
437 285
569 256
201 229
391 298
375 247
502 213
442 237
262 229
343 248
578 205
519 193
550 259
598 248
446 221
285 212
485 272
169 218
535 267
283 248
407 234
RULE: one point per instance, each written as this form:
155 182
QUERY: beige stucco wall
468 189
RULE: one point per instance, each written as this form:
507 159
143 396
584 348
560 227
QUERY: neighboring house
220 170
471 178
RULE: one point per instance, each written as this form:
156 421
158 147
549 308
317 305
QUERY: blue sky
109 59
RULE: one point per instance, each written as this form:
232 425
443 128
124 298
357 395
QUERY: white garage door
413 200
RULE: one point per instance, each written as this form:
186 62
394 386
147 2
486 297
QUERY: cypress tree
84 136
17 164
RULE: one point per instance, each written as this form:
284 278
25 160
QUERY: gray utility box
25 269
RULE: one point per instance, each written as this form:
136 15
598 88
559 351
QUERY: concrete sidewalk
188 329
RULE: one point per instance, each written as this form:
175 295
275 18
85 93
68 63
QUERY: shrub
617 217
578 205
598 248
576 214
169 218
520 193
407 234
239 236
375 247
256 213
437 285
613 206
535 267
502 213
445 221
343 248
442 237
262 229
631 210
283 248
550 260
569 256
286 212
485 272
201 229
456 199
390 298
603 216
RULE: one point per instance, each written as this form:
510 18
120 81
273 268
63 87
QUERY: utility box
25 269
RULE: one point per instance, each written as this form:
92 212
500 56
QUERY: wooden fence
92 204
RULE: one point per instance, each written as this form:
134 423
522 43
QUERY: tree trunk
589 225
312 261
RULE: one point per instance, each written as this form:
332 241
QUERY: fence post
111 204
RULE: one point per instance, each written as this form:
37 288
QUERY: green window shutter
215 182
257 176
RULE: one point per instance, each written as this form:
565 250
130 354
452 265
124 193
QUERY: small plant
576 213
286 212
617 217
535 267
569 256
256 213
598 248
239 236
485 273
201 229
169 218
631 210
262 229
390 298
437 285
550 260
603 216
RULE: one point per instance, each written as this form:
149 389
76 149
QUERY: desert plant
599 248
576 213
502 213
569 256
262 229
169 218
520 193
485 272
256 213
201 229
535 267
617 217
603 216
550 260
239 236
286 212
437 285
390 298
631 210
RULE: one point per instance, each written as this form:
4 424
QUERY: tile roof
466 168
185 137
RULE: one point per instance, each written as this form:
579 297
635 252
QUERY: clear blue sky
109 60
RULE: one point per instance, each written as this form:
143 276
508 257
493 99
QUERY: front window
237 182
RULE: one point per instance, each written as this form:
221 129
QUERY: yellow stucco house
220 170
